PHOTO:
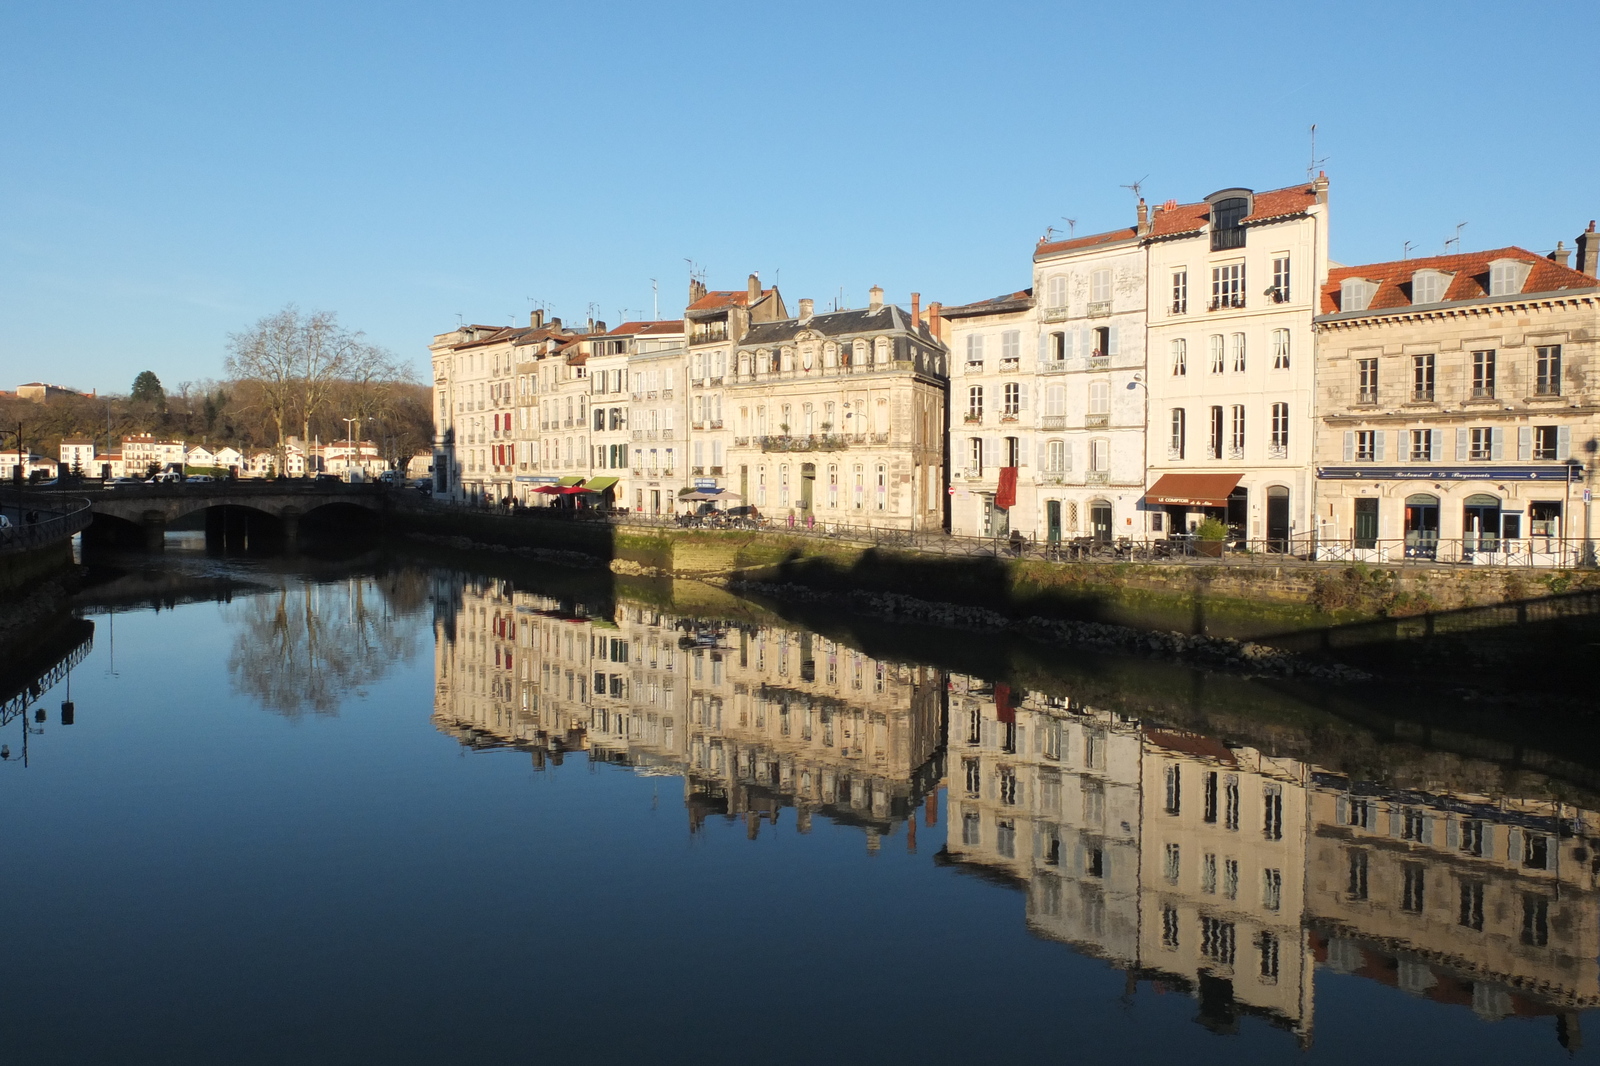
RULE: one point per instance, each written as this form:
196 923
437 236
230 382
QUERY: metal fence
34 521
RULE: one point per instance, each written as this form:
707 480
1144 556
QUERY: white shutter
1066 344
1564 443
1452 833
1066 457
1022 451
1349 445
1111 340
1377 445
1463 444
1044 348
1524 443
1497 443
1086 342
1022 396
1435 444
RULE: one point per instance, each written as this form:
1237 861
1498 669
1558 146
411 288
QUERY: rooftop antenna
1315 164
1137 186
1405 253
460 321
1072 223
1456 240
655 300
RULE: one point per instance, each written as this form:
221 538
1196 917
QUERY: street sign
705 484
1585 495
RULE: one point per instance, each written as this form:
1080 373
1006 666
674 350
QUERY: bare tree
269 355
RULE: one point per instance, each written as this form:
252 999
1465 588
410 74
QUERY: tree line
289 374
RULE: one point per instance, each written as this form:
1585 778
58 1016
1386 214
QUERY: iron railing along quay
37 520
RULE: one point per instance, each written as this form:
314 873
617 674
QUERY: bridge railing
36 520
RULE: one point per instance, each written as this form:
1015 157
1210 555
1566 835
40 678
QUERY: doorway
1422 526
1100 521
1052 521
1238 515
1480 525
1277 519
808 483
655 501
1366 526
996 520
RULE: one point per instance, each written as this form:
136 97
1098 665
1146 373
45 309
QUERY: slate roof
886 318
713 301
1127 233
1470 281
1177 220
1020 300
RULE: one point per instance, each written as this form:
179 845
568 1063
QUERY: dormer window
1506 276
1228 211
1355 294
1429 287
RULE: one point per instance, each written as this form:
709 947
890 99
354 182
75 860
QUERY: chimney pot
754 289
806 305
1144 218
1561 255
874 298
536 319
916 309
1588 243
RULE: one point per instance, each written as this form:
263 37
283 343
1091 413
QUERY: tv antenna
1315 164
460 320
1456 240
1072 223
655 301
1405 252
1137 186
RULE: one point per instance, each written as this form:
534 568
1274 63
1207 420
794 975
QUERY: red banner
1005 495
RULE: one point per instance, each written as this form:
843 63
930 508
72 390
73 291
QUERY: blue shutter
1349 445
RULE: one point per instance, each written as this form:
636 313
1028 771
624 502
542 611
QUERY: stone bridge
234 507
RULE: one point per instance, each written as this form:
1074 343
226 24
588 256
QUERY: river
401 808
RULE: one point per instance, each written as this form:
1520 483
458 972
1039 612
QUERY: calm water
389 811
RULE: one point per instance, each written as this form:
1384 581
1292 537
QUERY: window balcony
1099 362
1179 307
972 418
1093 421
972 473
1236 451
1277 451
668 434
1224 303
1097 477
1052 421
1053 314
741 442
638 471
1099 309
1053 477
716 471
1053 366
1480 392
1008 416
1174 454
1367 396
697 425
696 471
638 434
1421 395
715 423
1011 365
666 394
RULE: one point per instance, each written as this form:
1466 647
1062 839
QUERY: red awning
1193 490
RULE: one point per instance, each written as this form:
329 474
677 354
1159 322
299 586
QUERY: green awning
599 484
569 481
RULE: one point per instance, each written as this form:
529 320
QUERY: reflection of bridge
273 508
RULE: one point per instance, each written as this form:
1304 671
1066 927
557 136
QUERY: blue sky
170 173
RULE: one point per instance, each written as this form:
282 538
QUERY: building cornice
1483 305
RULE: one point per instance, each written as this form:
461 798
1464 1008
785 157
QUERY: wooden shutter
1524 443
1564 442
1463 444
1349 445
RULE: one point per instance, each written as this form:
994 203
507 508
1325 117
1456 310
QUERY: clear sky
172 172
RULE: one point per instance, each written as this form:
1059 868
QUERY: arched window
1227 222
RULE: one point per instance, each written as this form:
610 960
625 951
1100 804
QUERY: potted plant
1209 536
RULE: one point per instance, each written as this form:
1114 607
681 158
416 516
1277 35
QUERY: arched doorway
1277 518
1480 523
1100 521
1422 526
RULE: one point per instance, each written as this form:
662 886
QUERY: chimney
1320 186
597 327
1561 255
935 325
916 309
1588 243
874 298
1144 219
536 319
697 289
555 325
753 287
805 309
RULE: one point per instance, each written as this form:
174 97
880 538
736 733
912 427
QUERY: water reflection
1218 869
307 645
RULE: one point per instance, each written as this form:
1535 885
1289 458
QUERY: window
1427 287
1414 887
1099 397
1366 446
1367 381
1236 350
1422 446
1470 915
1280 279
975 403
1011 402
1056 292
1227 223
1173 865
1215 449
1236 432
1100 286
1230 800
971 834
1355 294
1280 349
883 488
1180 292
1272 812
1208 873
1216 353
1056 457
1482 444
1175 442
1483 375
1169 927
1272 889
974 350
1545 443
1269 957
1010 347
1505 278
1099 456
1180 358
975 457
1230 878
1547 370
1217 941
1536 851
1058 349
1174 788
1227 286
1006 778
1357 886
1422 367
1535 920
1055 401
1278 446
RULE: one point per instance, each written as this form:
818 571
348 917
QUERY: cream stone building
1234 282
1459 408
77 455
658 373
1048 383
837 418
473 404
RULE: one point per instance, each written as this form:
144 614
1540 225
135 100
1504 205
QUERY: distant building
77 455
39 391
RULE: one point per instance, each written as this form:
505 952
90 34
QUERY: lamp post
350 440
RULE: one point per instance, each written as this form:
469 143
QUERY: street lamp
351 441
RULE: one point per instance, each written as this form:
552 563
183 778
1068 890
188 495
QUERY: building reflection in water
1196 866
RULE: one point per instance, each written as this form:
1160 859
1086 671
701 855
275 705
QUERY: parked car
200 478
118 482
326 479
